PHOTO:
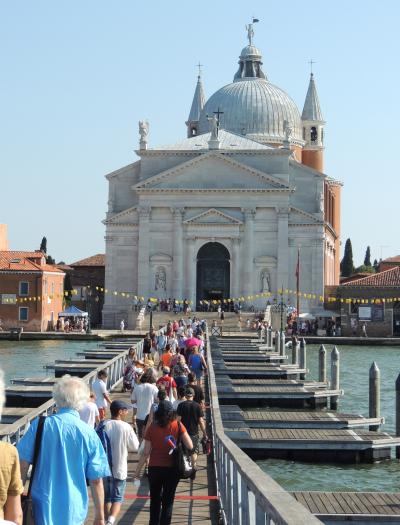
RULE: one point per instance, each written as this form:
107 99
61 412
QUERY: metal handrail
248 496
115 369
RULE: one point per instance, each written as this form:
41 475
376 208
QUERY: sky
76 77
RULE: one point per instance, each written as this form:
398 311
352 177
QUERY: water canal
26 359
355 362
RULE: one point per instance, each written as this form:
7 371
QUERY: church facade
224 212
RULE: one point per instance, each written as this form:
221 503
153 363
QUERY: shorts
181 381
102 413
198 372
140 423
114 490
196 442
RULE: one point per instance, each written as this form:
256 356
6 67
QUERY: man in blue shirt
70 453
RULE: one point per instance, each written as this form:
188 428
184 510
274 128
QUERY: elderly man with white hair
10 477
70 453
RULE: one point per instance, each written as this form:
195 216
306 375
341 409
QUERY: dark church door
213 272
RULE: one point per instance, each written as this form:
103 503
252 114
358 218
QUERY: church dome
251 105
254 107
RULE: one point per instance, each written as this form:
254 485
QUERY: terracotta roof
95 260
395 259
22 261
390 278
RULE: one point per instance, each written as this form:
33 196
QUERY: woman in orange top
160 438
165 359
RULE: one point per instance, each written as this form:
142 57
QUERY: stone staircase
230 324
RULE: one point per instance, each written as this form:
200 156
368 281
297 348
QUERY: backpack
105 441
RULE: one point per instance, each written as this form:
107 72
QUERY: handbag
183 461
27 506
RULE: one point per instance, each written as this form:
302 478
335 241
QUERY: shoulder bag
27 507
183 461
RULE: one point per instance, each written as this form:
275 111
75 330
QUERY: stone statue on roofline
143 132
213 127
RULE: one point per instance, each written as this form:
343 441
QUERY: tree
43 245
67 289
367 258
364 269
50 260
346 265
376 265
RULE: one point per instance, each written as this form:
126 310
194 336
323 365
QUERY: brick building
86 275
390 262
374 300
31 291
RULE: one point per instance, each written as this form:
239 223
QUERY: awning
73 311
326 313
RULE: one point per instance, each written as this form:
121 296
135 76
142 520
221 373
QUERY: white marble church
223 212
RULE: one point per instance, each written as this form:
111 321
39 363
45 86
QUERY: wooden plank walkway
195 501
357 507
314 444
290 419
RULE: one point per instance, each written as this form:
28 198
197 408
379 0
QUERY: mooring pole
277 341
374 394
295 355
322 364
398 413
282 343
335 370
303 358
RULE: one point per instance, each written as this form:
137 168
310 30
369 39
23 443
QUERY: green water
27 358
355 362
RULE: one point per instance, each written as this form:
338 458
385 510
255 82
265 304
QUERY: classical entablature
211 172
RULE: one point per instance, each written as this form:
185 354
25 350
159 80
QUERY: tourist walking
122 439
180 371
144 394
90 413
100 391
168 383
198 391
11 486
197 364
70 453
191 415
159 440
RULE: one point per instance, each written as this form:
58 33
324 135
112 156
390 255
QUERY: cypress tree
376 265
367 258
43 245
347 266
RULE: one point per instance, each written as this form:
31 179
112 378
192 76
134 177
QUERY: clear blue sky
77 76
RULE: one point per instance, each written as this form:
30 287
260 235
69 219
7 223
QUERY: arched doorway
213 272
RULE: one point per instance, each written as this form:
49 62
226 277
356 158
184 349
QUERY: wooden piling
282 348
322 364
335 371
398 413
269 337
374 393
303 357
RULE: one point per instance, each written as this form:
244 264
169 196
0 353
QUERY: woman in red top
160 438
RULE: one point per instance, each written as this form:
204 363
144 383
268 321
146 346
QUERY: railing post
282 343
277 341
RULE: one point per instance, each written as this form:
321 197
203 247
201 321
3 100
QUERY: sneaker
193 476
136 482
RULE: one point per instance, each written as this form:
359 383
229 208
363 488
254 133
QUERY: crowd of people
80 447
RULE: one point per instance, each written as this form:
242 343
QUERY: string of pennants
154 300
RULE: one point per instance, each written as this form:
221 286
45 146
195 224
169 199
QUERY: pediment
211 172
298 216
213 216
128 216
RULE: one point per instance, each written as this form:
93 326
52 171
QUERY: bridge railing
115 370
248 496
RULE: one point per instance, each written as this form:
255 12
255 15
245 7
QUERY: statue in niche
265 282
314 134
160 279
143 130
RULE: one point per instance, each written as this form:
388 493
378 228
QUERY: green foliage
50 260
67 289
367 258
365 269
346 265
43 245
376 265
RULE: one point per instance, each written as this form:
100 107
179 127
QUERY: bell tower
198 102
313 129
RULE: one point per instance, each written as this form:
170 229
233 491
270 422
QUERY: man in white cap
122 439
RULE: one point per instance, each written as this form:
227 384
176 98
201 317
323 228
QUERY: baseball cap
189 392
118 404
